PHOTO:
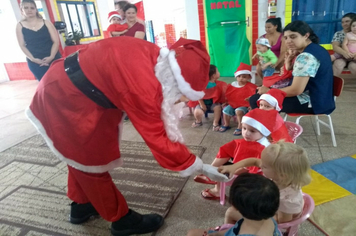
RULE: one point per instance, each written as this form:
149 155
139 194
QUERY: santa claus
79 107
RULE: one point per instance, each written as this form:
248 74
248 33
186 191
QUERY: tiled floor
190 210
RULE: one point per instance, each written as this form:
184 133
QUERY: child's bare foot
210 194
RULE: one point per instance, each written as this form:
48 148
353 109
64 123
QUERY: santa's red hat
113 14
243 69
190 63
262 120
274 97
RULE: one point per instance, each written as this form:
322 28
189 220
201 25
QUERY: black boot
135 223
80 213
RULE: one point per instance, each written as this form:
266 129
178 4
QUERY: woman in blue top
311 91
37 38
257 199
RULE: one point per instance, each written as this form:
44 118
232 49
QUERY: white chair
338 86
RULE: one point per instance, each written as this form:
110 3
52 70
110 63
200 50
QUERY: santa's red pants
99 190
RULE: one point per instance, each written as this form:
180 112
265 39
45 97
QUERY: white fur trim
264 141
242 72
256 124
164 52
171 93
183 85
74 164
114 15
271 100
196 167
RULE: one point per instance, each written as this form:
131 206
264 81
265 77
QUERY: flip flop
224 128
216 128
197 124
209 195
203 179
237 132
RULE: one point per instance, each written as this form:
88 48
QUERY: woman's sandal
224 128
203 179
216 128
208 195
237 132
197 124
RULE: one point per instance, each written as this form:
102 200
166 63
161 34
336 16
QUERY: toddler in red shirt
117 26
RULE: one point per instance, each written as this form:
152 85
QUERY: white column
262 16
191 9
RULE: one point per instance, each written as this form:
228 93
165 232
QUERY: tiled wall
18 71
201 21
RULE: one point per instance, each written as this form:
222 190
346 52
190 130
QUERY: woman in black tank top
37 38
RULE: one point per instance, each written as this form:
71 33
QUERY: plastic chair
338 86
294 130
292 226
222 189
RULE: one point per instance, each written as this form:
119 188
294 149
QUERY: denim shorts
228 110
268 71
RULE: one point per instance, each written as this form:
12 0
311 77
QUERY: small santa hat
113 14
243 69
190 67
262 120
274 97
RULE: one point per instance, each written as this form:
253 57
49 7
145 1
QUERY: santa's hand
213 173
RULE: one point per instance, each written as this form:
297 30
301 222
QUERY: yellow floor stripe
324 190
354 156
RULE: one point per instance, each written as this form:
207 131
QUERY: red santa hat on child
274 97
262 120
190 64
113 14
243 69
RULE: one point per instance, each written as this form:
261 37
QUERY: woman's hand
262 89
39 62
47 60
348 55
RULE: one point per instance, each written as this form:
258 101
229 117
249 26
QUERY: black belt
76 75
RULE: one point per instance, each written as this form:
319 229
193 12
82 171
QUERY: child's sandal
197 124
224 128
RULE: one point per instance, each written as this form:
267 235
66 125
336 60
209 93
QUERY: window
79 16
324 17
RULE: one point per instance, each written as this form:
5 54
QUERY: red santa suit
240 149
236 96
217 93
117 27
79 105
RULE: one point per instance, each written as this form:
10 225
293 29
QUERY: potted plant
75 36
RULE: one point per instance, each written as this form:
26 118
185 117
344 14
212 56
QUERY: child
266 56
349 44
273 100
285 77
257 199
214 96
288 166
236 93
117 26
256 127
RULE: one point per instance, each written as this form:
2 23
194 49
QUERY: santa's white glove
199 168
213 173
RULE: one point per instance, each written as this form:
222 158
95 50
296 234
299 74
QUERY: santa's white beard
171 94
